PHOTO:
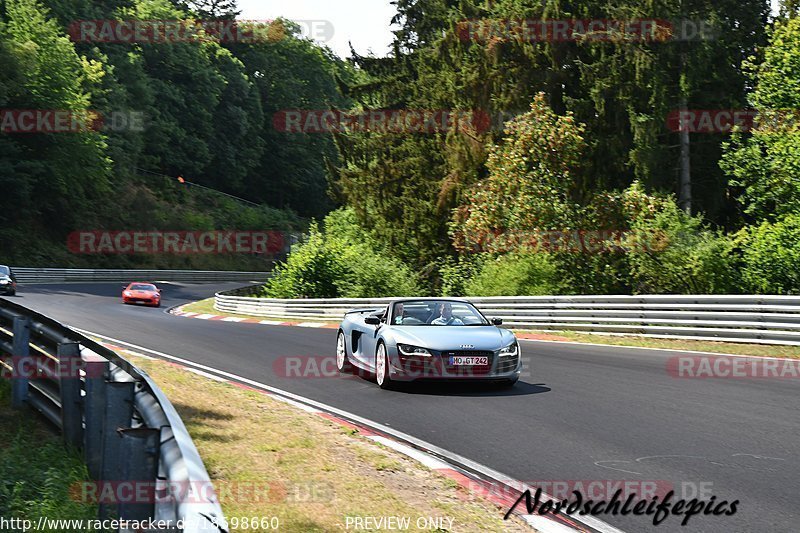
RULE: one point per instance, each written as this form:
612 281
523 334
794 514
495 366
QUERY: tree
530 182
766 163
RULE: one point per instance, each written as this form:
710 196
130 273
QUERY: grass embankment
270 459
36 469
791 352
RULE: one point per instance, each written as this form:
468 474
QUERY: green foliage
767 164
674 253
456 273
340 261
527 274
528 186
37 473
207 109
771 256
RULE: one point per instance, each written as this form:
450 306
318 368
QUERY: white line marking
599 525
299 405
205 317
206 375
272 322
545 525
140 355
310 324
232 319
422 457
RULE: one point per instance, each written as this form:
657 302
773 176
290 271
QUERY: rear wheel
342 364
382 368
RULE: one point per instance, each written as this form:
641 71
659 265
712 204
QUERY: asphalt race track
586 412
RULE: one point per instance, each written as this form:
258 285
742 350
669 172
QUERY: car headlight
408 350
127 294
510 350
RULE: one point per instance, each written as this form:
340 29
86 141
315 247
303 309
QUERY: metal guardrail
61 275
128 430
752 319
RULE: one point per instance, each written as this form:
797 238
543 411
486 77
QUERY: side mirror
124 287
372 321
497 321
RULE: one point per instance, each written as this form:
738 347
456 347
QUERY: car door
369 339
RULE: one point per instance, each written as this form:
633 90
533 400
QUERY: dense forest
203 112
548 164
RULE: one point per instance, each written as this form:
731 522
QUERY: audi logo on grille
464 346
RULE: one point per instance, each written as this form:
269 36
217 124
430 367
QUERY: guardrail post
94 409
117 414
69 362
20 358
140 448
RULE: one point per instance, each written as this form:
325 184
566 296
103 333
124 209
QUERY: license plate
469 361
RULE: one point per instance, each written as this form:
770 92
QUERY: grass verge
270 459
791 352
207 307
36 469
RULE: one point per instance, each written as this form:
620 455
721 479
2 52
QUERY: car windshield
436 313
5 271
141 287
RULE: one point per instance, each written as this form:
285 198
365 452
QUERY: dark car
8 283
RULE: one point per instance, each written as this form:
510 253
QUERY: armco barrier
127 428
61 275
753 319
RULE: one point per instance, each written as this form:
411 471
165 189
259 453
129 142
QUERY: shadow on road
471 389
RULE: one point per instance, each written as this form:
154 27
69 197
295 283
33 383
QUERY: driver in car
446 317
398 314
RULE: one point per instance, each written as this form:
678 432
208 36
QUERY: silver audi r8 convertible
427 339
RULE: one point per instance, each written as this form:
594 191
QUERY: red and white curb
476 479
178 311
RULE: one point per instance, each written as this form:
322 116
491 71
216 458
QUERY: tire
12 293
342 364
382 376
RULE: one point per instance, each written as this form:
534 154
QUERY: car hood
443 338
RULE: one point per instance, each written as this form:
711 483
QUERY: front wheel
382 368
342 364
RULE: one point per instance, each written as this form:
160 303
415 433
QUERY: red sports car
141 293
